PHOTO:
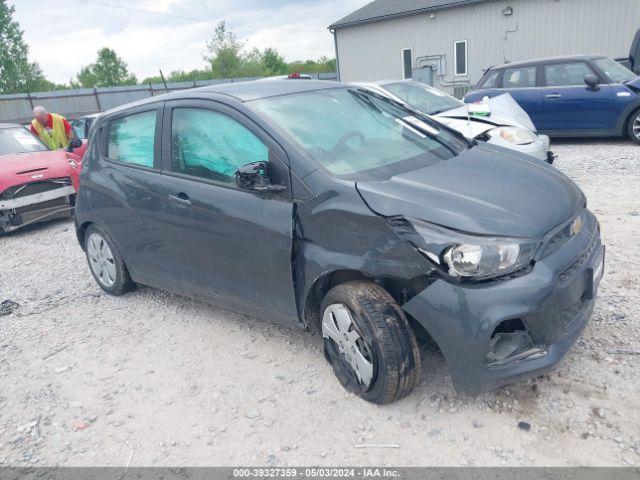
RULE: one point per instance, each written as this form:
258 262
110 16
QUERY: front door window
212 145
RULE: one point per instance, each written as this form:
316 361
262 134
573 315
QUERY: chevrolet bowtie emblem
576 227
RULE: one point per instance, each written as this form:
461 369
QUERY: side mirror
255 176
592 81
75 143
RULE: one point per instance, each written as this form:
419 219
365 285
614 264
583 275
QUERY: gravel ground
153 379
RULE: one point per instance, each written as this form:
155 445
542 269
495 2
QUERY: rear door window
132 139
212 145
522 77
566 74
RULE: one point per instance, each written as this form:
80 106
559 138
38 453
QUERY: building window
407 63
460 57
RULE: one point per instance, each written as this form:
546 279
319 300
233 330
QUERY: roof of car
536 61
241 91
9 125
247 91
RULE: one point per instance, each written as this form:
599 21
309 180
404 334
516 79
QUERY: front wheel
369 342
633 128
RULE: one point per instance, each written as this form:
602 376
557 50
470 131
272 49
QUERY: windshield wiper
436 112
365 99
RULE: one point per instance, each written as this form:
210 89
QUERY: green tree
224 52
108 71
17 74
274 63
322 65
38 83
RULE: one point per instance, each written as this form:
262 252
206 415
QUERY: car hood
486 190
504 110
469 128
635 83
32 167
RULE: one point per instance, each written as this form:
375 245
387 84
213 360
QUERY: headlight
515 135
72 163
462 255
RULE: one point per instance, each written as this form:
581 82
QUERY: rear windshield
350 131
19 140
617 73
424 98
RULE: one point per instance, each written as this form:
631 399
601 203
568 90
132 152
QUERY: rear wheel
369 342
106 263
633 128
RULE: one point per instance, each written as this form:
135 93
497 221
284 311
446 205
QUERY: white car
499 120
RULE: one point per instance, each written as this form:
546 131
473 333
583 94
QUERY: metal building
449 43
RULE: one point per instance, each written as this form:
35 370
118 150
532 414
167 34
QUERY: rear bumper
552 303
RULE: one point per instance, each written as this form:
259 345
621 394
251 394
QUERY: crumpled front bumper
18 212
539 149
554 302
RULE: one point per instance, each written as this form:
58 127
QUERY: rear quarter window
519 77
131 139
490 80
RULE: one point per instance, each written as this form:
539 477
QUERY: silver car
499 120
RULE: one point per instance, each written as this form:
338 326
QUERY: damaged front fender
338 238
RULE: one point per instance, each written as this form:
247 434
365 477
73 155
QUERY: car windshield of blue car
14 141
350 131
616 72
421 97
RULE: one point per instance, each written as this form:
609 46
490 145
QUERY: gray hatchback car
324 205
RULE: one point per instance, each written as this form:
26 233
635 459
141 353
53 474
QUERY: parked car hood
635 83
482 191
504 110
27 167
469 128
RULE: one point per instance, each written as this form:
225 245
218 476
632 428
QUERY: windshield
350 131
424 98
19 140
616 72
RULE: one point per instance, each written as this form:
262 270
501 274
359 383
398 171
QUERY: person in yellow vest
53 129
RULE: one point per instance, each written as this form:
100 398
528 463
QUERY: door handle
180 198
553 95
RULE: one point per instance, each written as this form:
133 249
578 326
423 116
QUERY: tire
106 262
379 334
633 127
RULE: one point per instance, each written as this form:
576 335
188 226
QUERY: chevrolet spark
325 205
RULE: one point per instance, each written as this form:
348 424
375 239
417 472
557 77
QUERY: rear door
227 244
521 82
569 104
122 189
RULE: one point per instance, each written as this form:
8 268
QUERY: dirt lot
155 379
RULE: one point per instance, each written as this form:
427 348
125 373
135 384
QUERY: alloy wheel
636 127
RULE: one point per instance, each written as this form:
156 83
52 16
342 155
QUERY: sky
65 35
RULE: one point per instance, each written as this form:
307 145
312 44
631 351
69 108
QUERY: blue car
577 96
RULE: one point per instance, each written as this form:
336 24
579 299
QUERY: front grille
578 262
34 188
564 235
568 315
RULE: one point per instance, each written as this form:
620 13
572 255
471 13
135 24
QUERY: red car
36 184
